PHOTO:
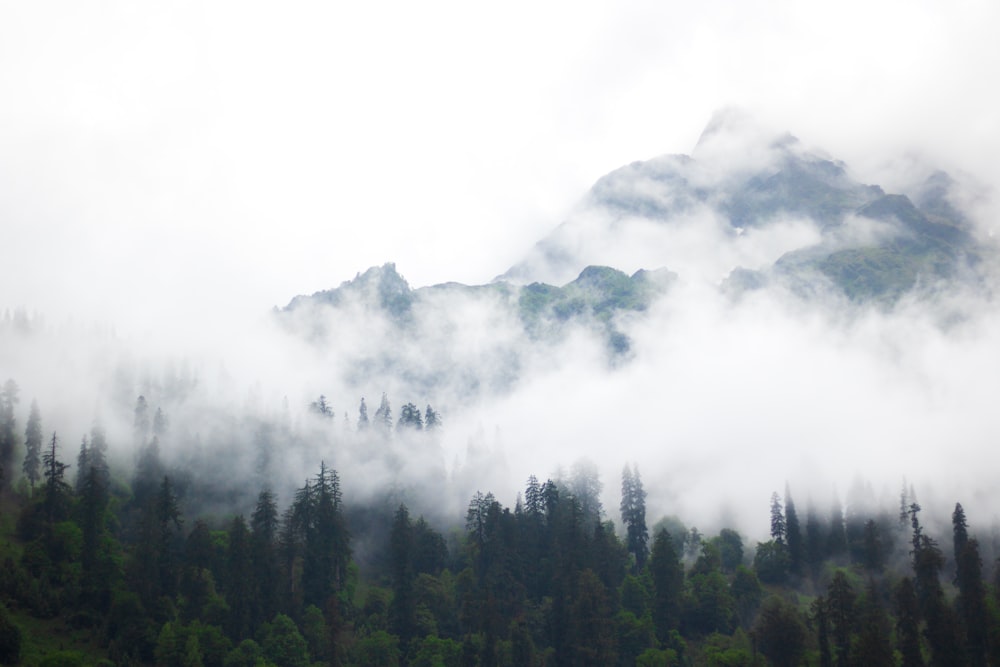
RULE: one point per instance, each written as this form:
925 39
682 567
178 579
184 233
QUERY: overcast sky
190 159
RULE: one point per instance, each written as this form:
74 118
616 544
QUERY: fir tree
33 446
57 491
82 463
264 557
793 536
668 582
837 539
840 603
140 422
363 416
777 520
403 607
874 648
383 416
432 419
633 513
908 624
409 417
971 601
8 432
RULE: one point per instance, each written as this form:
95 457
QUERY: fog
167 176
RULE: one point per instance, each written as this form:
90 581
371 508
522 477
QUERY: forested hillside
99 564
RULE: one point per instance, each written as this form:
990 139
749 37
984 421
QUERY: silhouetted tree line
550 581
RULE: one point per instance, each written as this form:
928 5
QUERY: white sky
190 159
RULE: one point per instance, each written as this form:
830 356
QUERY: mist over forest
576 334
723 356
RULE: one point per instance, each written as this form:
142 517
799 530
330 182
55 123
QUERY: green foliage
10 638
771 562
283 644
781 634
379 649
247 654
436 652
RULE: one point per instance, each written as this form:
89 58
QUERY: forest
99 565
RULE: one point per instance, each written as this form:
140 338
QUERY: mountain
868 244
748 210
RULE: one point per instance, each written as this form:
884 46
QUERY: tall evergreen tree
383 415
668 583
240 591
585 485
140 423
168 522
95 564
33 446
318 517
837 539
432 419
942 630
971 600
633 513
777 519
840 603
160 424
873 557
409 417
264 557
874 647
82 463
97 456
815 544
908 624
363 416
8 432
57 491
793 536
403 608
821 617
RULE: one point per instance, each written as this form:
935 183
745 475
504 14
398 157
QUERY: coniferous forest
99 564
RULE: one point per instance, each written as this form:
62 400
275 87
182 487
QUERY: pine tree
403 608
140 423
160 424
8 432
633 513
432 420
837 539
971 601
240 584
777 519
840 603
264 557
409 417
97 455
318 516
363 416
908 624
383 416
668 582
874 648
793 536
942 629
57 491
874 552
95 564
168 522
33 446
815 543
821 617
82 463
321 407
